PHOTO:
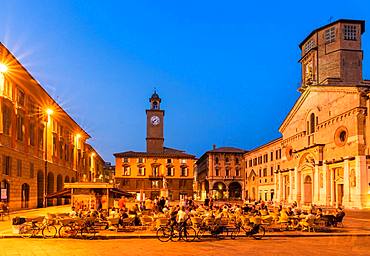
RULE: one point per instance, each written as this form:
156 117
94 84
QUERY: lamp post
49 112
3 70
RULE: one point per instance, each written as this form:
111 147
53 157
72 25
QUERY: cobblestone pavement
355 245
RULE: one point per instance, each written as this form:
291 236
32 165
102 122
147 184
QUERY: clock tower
154 125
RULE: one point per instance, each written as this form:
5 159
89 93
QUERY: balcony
232 177
155 177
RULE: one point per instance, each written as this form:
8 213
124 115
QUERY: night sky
227 71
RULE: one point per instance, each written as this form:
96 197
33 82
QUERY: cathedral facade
323 155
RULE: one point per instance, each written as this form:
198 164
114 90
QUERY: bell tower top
154 125
332 54
155 101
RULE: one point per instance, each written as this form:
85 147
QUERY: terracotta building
260 165
220 173
325 150
41 146
159 171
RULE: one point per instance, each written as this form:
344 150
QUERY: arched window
312 123
155 105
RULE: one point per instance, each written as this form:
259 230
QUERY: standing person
211 202
206 201
162 203
121 203
181 215
167 203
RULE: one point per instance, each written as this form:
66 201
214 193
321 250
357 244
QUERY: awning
119 192
64 193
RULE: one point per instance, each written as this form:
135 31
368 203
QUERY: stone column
326 185
302 189
346 185
291 186
360 198
297 186
276 183
280 187
332 188
315 184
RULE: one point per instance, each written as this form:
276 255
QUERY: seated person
306 222
73 213
339 214
289 211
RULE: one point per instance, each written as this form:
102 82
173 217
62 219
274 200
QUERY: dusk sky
227 71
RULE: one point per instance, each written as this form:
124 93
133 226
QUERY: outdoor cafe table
329 219
295 219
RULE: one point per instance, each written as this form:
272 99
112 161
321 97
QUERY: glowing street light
3 68
49 111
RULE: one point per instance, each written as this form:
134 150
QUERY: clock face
155 120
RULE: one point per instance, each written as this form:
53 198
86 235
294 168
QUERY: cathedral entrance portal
307 190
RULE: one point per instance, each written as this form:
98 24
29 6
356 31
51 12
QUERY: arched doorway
59 187
235 190
50 187
219 190
307 190
73 180
25 195
5 191
40 189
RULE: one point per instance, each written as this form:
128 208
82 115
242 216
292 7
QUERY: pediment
302 105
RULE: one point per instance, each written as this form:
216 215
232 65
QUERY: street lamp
3 68
48 112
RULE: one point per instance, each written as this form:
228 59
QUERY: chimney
214 146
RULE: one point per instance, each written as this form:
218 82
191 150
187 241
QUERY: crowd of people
180 211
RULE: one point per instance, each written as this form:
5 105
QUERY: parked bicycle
251 229
176 232
71 228
218 228
34 227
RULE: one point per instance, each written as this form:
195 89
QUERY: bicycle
216 227
257 231
176 232
68 228
33 228
87 229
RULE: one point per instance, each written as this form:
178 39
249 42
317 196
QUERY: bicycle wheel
201 232
235 233
188 234
221 232
175 234
88 233
67 231
49 232
260 233
26 231
164 234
